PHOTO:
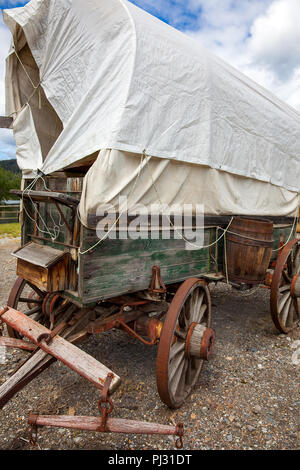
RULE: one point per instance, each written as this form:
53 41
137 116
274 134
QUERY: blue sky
177 13
259 37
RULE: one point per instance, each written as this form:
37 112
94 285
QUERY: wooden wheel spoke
176 349
285 310
177 384
192 365
30 300
37 290
283 301
32 311
291 312
200 301
203 309
284 288
183 318
176 373
197 307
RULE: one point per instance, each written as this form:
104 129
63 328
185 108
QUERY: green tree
8 180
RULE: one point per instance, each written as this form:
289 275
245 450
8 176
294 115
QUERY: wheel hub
199 342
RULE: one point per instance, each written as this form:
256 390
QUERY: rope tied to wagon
35 87
56 228
120 215
145 157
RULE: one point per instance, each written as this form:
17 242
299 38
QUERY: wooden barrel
249 244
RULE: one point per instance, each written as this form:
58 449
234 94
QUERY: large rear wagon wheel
284 305
186 341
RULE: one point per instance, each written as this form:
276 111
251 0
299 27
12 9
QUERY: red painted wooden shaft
93 423
16 343
73 357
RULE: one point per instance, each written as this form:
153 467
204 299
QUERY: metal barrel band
179 432
105 404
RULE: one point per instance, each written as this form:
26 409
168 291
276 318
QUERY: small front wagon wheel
186 341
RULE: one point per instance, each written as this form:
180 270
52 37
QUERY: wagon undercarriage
154 290
51 326
176 317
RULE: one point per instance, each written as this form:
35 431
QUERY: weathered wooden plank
209 220
43 360
10 384
40 255
120 266
6 122
70 355
48 196
16 343
54 279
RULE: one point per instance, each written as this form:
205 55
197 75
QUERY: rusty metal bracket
134 334
33 430
108 323
105 404
157 285
179 432
48 337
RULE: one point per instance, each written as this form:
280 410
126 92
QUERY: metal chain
33 433
179 433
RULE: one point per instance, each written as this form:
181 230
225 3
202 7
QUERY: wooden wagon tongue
45 342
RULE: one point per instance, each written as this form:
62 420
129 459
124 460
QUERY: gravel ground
247 396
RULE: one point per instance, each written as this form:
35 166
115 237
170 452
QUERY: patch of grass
10 230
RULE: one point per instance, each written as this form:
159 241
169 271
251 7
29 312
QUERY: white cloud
275 38
260 37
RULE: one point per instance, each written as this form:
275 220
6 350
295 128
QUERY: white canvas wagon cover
105 76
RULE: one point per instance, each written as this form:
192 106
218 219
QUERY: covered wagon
121 123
